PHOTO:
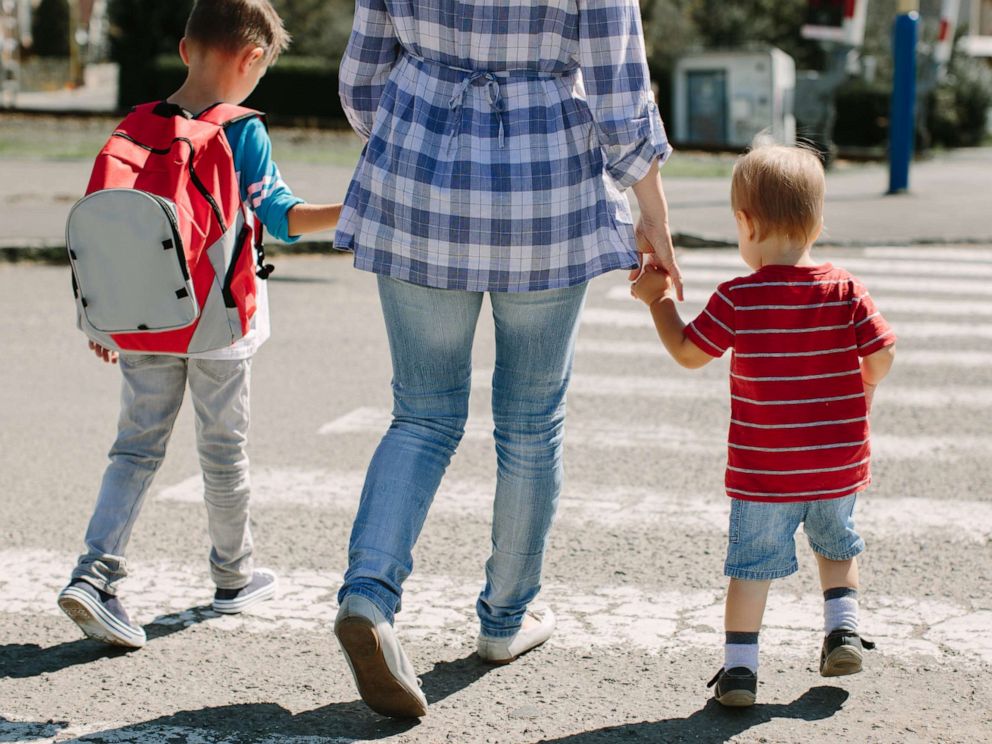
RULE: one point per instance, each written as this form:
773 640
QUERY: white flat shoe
383 673
530 636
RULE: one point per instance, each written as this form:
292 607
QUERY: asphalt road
634 571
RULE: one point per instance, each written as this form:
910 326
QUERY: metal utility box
724 99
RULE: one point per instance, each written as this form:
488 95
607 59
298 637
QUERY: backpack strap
224 115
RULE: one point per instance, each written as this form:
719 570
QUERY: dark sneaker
100 615
232 601
735 688
842 653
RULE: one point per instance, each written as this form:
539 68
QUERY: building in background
978 41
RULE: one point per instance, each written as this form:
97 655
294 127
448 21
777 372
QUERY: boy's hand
652 285
110 357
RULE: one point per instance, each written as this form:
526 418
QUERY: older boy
809 347
228 46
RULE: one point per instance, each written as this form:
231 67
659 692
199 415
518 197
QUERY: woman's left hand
655 247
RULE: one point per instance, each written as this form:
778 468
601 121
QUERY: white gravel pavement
634 571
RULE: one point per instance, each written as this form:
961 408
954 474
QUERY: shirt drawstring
493 96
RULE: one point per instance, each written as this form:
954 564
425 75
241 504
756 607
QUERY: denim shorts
762 535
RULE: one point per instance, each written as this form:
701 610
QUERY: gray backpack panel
128 263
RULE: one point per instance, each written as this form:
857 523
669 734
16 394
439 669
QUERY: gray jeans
151 395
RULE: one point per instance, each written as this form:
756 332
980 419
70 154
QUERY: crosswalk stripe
617 386
16 732
654 351
877 284
639 317
856 265
890 305
439 610
678 439
937 253
969 521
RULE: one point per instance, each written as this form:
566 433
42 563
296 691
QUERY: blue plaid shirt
500 136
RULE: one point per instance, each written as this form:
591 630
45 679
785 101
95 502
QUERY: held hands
652 285
654 244
108 356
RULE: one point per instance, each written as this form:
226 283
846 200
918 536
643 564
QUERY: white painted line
377 420
712 441
876 285
654 351
918 265
889 305
439 610
580 504
125 733
639 317
963 358
658 388
934 253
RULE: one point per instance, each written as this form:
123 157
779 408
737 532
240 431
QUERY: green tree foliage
140 31
320 28
960 105
723 24
50 29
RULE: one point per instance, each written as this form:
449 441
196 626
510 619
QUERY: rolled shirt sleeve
618 88
371 53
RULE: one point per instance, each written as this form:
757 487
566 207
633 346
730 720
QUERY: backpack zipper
192 172
229 277
177 239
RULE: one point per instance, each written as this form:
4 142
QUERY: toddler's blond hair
781 189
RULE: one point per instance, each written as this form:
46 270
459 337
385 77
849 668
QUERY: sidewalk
97 96
950 202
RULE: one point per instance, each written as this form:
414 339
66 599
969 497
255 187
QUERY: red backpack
161 247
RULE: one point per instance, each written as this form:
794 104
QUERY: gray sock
840 609
741 650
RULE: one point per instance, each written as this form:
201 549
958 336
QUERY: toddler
809 347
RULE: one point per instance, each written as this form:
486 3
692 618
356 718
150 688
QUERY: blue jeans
762 542
151 395
430 338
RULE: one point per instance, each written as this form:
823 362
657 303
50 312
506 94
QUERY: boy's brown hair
231 25
781 189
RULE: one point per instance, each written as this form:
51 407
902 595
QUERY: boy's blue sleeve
262 187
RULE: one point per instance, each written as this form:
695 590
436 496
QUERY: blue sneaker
232 601
100 615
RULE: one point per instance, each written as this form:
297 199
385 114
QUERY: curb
53 251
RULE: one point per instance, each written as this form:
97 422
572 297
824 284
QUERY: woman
500 135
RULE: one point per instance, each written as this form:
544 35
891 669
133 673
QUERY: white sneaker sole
96 622
235 606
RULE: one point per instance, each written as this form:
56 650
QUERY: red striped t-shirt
798 419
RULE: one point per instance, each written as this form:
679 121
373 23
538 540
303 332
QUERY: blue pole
902 112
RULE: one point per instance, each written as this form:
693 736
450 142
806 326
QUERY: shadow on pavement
449 677
714 723
22 660
251 722
25 732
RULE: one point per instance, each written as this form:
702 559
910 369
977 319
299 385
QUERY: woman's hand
654 244
654 238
